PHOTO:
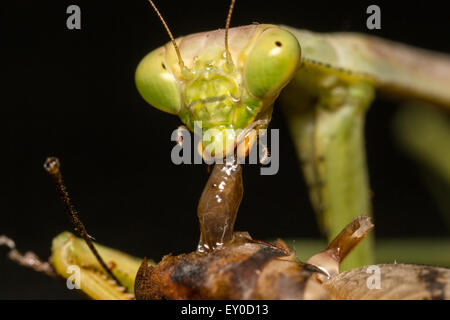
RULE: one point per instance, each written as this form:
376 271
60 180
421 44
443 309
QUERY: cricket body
232 265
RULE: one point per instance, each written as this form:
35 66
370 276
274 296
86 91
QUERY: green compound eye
156 83
271 62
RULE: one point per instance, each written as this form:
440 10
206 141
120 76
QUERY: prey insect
229 264
228 80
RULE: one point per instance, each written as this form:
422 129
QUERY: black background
71 94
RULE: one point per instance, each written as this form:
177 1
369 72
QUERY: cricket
223 84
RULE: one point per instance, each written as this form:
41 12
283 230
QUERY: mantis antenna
227 26
180 60
52 166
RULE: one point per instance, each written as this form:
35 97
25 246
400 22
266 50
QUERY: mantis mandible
229 79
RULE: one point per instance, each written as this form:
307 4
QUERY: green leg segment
326 114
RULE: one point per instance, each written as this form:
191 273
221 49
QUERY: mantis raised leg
327 124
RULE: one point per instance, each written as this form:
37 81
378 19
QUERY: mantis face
224 94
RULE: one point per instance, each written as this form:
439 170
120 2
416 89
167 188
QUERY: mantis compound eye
271 62
156 83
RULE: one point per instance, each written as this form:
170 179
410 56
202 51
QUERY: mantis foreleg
326 116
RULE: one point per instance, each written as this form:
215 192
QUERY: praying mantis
330 78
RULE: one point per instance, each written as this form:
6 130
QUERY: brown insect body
227 264
242 269
231 265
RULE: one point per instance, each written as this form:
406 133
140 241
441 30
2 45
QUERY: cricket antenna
52 166
227 26
180 60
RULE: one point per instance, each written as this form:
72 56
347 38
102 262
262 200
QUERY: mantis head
223 89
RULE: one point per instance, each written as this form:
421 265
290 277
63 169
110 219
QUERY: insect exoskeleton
223 97
243 269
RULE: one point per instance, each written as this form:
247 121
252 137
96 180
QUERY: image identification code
228 309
